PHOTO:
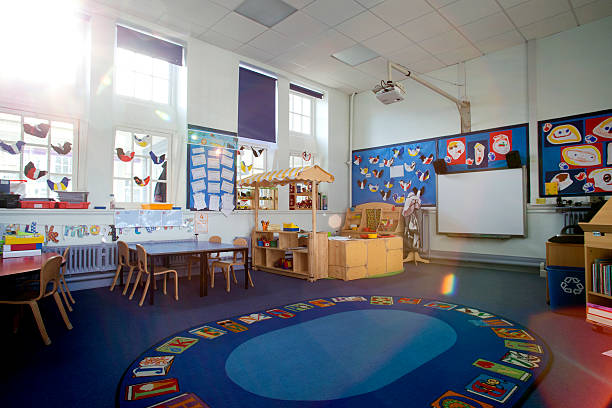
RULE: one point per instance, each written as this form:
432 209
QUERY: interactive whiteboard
482 203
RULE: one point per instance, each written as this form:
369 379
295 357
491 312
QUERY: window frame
169 186
239 175
20 175
312 102
295 154
172 81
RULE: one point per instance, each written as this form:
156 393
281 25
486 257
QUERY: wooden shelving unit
298 200
268 199
264 258
598 245
391 220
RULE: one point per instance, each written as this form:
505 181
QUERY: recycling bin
566 287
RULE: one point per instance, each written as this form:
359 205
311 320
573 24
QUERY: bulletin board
390 173
211 168
483 149
576 155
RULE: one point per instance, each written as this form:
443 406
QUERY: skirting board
509 262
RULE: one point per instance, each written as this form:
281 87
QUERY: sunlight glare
448 284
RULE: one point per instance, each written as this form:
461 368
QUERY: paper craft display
62 150
485 149
61 186
389 173
32 172
40 130
142 182
12 148
574 153
142 141
123 156
201 222
157 159
210 167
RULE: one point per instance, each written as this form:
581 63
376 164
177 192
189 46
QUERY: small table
15 266
194 247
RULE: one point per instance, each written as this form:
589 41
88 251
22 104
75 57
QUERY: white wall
572 76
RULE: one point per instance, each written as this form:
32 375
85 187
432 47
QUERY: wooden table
15 266
203 248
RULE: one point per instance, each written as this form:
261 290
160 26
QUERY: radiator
88 258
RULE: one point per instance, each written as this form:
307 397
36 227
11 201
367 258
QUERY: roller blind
256 106
306 91
148 45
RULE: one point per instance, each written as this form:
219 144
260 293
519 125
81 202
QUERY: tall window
39 149
301 114
140 166
298 160
142 77
252 160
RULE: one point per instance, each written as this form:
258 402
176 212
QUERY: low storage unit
363 258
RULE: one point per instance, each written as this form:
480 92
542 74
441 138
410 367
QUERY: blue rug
375 351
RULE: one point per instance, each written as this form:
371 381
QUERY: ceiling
423 35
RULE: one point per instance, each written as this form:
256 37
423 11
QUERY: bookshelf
597 245
293 245
268 198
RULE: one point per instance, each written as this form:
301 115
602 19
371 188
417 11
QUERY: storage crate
156 206
72 196
73 206
37 204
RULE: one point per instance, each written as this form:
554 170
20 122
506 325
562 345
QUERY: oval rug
346 351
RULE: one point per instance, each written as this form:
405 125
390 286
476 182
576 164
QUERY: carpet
350 351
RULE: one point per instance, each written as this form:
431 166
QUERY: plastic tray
37 204
73 206
158 206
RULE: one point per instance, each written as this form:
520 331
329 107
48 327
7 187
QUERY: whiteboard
488 203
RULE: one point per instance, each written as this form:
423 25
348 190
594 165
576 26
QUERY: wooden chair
49 273
123 261
191 259
143 269
226 266
63 287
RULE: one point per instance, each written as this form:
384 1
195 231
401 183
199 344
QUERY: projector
389 92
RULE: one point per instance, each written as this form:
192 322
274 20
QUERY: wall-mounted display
576 155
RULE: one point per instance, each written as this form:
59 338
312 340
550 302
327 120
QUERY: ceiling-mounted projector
389 92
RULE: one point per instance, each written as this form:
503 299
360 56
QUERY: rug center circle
338 356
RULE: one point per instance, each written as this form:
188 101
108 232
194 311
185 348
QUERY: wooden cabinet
598 245
363 258
296 246
384 218
268 198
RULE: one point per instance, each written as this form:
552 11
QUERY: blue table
203 248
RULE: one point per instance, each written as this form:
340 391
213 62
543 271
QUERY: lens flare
105 81
334 221
163 115
448 284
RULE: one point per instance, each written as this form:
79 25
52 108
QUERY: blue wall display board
576 155
389 173
484 149
211 168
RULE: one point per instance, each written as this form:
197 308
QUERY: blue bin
566 287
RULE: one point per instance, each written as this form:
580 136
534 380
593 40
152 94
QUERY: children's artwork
32 172
575 155
40 130
123 156
389 173
483 149
210 167
142 141
157 159
61 186
62 150
201 222
12 148
142 182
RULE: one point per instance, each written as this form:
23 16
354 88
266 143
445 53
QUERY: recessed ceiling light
355 55
266 12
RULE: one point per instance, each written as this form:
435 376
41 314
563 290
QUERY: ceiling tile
487 27
410 55
498 42
272 42
333 12
396 12
363 26
376 68
303 55
201 13
426 65
220 40
228 4
536 10
549 26
255 53
444 42
466 11
284 64
510 3
180 25
330 41
425 27
594 11
266 12
300 25
369 3
356 79
150 10
387 42
440 3
326 65
347 89
298 4
238 27
580 3
459 55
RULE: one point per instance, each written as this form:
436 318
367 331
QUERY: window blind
306 91
148 45
256 106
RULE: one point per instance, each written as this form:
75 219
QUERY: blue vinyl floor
82 367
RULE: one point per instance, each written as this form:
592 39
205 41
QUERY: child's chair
62 281
191 259
143 269
123 261
226 266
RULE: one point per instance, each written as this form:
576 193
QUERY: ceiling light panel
355 55
266 12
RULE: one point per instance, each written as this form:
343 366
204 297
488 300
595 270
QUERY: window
252 160
140 166
301 114
39 149
297 160
143 77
